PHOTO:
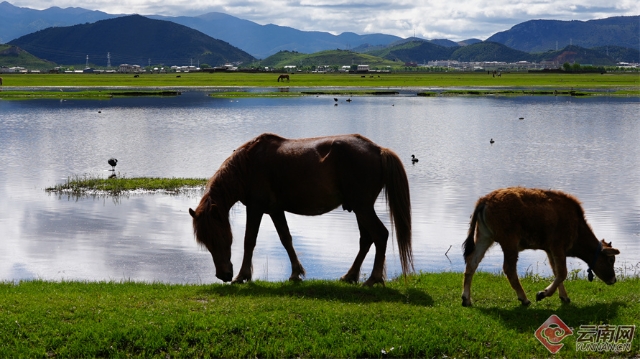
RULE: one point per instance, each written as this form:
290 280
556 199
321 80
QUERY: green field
421 317
606 82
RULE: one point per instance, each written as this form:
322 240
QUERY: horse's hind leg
280 222
353 274
369 222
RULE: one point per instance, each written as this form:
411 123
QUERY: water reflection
585 146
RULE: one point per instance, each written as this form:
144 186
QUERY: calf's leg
510 269
483 241
558 262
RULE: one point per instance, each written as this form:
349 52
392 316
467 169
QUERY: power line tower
108 60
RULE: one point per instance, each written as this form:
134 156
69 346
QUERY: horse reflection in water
312 176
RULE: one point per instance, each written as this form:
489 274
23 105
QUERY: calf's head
603 264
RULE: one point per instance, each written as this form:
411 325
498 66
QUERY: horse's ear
192 213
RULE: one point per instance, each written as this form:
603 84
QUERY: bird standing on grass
113 162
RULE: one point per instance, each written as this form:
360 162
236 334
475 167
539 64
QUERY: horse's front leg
254 217
280 222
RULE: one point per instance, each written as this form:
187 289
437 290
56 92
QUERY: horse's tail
399 202
469 244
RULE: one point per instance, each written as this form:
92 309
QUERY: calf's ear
610 251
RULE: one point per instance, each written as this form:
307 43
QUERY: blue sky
429 19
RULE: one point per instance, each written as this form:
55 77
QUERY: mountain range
131 39
262 41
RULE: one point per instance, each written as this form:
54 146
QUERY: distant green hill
12 56
330 57
489 51
573 54
416 51
619 54
129 39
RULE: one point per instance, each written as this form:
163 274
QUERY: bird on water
113 162
491 141
414 159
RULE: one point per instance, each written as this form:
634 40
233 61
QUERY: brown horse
283 77
0 81
521 218
311 176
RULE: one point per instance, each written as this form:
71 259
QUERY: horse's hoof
348 279
295 279
466 302
565 300
525 303
371 282
540 296
240 280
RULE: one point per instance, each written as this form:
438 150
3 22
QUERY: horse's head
604 261
212 230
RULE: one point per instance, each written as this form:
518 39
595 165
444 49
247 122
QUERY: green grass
80 185
26 95
316 318
606 82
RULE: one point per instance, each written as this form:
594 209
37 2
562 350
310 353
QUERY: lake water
589 147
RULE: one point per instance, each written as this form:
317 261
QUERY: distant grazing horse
283 77
521 218
311 176
0 81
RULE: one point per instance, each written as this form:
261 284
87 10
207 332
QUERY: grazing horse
311 176
283 77
0 81
522 218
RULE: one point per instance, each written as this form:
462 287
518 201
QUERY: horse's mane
227 185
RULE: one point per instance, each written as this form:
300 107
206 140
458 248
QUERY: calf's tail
469 244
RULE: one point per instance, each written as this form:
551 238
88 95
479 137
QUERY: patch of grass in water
80 185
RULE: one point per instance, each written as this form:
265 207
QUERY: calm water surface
588 147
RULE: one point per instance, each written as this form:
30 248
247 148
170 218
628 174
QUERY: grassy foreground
420 318
609 81
80 185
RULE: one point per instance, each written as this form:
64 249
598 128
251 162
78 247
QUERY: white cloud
431 19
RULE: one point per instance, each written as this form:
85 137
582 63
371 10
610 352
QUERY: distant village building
363 68
16 69
127 69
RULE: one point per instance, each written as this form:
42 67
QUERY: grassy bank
26 95
610 82
420 318
89 184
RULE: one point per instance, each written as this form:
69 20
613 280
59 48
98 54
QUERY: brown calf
521 218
